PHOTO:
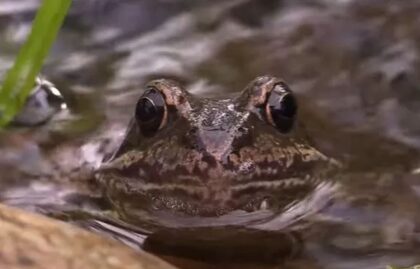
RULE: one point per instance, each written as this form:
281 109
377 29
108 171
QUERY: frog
239 169
209 157
235 178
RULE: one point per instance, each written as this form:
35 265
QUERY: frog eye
281 108
151 111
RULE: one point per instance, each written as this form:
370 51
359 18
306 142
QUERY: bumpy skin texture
35 242
213 156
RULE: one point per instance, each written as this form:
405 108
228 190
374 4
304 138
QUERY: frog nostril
242 130
191 139
193 131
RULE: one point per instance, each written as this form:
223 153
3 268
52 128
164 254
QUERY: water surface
353 64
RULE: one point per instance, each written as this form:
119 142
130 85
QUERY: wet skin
209 157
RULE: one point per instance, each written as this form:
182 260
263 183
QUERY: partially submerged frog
239 170
234 179
209 157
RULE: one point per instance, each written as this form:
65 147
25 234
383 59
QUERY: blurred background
354 65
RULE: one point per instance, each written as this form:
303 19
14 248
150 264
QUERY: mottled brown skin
213 156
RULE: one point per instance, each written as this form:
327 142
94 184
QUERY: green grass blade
20 78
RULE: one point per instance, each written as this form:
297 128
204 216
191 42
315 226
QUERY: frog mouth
195 198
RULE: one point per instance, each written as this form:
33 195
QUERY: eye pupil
146 110
282 108
285 107
150 112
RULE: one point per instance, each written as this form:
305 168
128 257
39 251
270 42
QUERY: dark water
354 65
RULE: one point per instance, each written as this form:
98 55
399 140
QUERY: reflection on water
354 65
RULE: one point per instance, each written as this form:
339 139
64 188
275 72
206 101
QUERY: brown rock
29 241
